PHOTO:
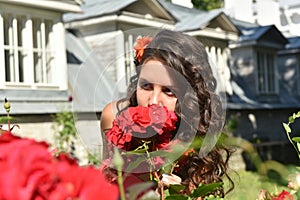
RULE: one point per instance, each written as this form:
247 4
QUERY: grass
248 184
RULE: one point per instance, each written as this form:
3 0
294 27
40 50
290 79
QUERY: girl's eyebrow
173 87
142 79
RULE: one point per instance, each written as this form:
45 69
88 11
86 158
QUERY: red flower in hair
140 45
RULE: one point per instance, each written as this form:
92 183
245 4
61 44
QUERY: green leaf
5 119
136 152
204 189
137 189
175 188
212 197
287 128
134 164
296 139
298 146
292 119
176 197
297 115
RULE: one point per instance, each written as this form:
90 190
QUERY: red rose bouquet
137 125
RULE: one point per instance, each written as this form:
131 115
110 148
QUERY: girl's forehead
155 71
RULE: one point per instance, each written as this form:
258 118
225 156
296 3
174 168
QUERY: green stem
121 187
291 141
8 121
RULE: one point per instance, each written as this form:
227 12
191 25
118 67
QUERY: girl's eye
169 92
146 86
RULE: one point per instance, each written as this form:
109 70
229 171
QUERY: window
32 49
266 72
27 42
42 55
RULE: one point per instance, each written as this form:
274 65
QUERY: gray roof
179 12
256 33
199 21
294 43
93 8
242 24
190 18
187 18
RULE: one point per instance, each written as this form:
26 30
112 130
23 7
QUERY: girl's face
156 86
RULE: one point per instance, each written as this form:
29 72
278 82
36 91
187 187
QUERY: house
33 66
110 29
284 14
258 66
265 73
265 83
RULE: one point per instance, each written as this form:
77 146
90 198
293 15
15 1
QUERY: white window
32 49
266 72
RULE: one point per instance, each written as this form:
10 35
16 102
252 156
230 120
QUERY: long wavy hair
200 109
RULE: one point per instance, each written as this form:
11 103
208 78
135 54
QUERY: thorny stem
160 184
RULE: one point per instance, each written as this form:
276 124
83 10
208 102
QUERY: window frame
54 49
268 85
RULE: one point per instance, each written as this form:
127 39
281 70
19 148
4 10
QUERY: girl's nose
155 98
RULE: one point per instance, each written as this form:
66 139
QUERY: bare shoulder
108 115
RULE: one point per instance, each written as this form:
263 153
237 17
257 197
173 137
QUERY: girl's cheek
142 97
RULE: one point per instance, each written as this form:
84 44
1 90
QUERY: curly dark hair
199 108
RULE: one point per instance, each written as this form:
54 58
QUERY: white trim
242 44
60 63
121 71
62 6
16 50
43 47
11 85
214 33
120 18
27 43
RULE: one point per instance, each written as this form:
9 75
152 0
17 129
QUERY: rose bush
29 171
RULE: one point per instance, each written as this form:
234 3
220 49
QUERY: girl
173 71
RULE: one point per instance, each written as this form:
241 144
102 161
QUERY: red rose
84 183
140 118
158 117
116 136
142 123
284 195
29 171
